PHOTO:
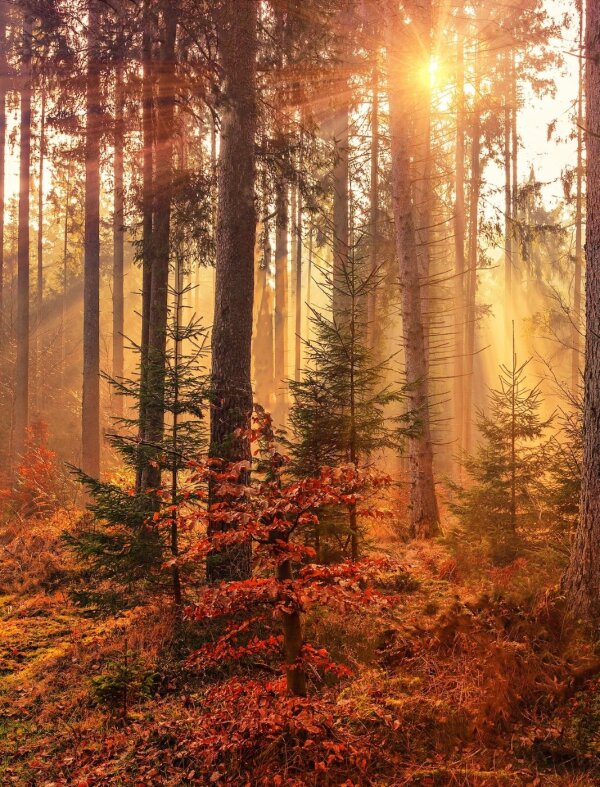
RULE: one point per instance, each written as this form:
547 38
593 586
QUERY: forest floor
472 681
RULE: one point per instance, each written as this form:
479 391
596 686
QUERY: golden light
434 70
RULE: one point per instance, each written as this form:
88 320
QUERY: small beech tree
262 616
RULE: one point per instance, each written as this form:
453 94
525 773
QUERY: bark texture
118 241
22 327
582 578
236 229
90 406
147 217
424 516
459 249
470 327
3 90
159 285
577 277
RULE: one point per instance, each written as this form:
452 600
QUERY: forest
299 393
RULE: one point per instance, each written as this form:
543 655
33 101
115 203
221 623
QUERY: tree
236 230
582 578
276 517
22 362
147 214
459 244
3 91
577 275
341 406
502 500
471 285
159 280
118 214
132 531
282 189
424 515
90 403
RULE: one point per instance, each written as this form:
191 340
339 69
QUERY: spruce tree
503 499
132 532
343 407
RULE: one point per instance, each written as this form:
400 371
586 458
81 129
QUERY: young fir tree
342 407
503 501
133 531
564 481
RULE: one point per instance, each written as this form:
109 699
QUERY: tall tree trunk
22 362
177 341
282 214
582 579
90 406
341 204
309 273
298 291
147 219
514 136
263 345
424 516
281 296
420 146
236 229
508 228
3 90
459 248
373 323
65 273
118 240
39 293
471 324
159 290
577 316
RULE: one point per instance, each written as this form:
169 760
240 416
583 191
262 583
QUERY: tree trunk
298 294
118 241
3 90
281 297
582 579
22 361
90 407
63 311
577 316
341 201
177 340
159 290
39 293
372 322
147 218
236 229
424 516
514 135
471 324
459 250
292 639
508 229
263 345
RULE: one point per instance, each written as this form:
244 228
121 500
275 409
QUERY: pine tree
133 531
342 407
503 500
564 481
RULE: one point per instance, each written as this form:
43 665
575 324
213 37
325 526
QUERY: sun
434 70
